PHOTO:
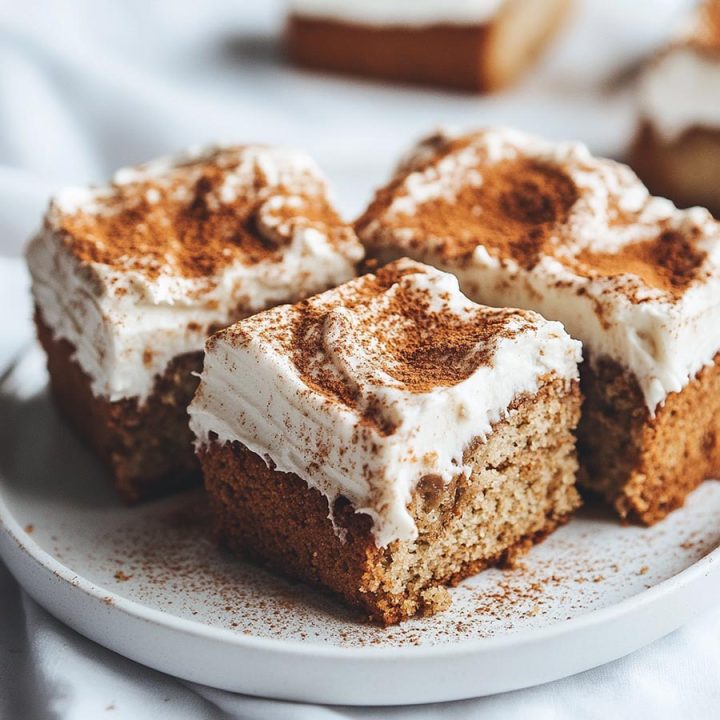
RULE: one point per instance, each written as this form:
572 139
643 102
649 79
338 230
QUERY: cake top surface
142 270
398 12
366 388
544 225
193 215
525 201
406 328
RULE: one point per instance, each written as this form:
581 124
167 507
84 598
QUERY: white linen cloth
86 87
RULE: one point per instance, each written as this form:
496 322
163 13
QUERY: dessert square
481 45
524 222
388 437
677 147
129 279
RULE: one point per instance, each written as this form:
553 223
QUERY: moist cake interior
521 486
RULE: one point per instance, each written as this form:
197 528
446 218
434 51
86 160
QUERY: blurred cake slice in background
677 147
130 278
477 45
525 222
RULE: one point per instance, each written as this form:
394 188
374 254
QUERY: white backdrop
88 86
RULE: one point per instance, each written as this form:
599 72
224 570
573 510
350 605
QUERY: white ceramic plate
150 583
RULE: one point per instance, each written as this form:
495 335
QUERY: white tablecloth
86 87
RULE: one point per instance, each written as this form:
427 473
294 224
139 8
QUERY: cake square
129 279
388 437
676 150
481 46
524 222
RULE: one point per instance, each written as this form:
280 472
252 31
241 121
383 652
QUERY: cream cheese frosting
524 222
399 12
363 390
142 270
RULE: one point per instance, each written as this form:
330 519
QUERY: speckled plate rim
388 675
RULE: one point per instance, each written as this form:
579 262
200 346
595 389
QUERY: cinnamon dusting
401 336
513 212
523 199
669 262
198 217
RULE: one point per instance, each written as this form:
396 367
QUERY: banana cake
130 278
388 437
524 222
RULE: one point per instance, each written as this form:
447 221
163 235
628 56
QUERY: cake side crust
646 466
520 489
148 447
